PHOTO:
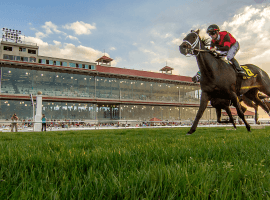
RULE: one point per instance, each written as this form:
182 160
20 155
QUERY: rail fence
24 126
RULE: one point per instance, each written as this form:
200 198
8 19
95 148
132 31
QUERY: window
80 65
32 59
6 48
92 67
8 57
77 65
86 67
72 64
58 63
18 58
31 51
42 61
22 49
65 64
24 59
49 62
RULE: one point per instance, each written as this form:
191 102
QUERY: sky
142 34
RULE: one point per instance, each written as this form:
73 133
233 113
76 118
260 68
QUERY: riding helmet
212 28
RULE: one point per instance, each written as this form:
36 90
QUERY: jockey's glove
213 49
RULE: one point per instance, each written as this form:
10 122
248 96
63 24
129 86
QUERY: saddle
249 73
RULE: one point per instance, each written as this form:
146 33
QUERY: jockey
226 43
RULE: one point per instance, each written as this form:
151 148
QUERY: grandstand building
82 90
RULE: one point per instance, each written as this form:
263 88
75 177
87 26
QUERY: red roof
234 112
104 58
155 119
139 73
166 68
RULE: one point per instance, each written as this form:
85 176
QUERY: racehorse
224 104
219 79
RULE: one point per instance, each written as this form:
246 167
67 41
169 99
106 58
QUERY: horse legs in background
252 99
265 88
203 104
251 104
218 111
236 104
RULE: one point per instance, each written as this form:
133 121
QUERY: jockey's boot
236 65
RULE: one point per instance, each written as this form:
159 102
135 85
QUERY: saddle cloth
249 73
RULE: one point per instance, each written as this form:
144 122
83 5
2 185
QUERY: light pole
11 34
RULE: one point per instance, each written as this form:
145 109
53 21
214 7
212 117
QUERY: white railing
25 126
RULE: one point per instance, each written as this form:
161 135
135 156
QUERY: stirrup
241 72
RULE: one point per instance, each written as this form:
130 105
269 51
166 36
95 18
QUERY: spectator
14 119
43 122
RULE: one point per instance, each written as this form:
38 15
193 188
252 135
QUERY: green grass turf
212 163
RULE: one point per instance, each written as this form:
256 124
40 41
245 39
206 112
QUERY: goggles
212 33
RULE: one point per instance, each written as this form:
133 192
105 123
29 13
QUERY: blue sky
136 34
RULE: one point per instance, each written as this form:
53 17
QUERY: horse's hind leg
253 96
236 103
264 81
230 115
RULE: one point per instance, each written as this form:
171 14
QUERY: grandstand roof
140 73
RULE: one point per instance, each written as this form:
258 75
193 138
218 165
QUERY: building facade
81 90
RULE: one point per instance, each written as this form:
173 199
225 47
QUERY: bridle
193 45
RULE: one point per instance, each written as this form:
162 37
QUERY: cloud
73 38
147 51
57 43
40 34
66 50
37 41
116 61
50 28
112 48
158 34
80 28
251 28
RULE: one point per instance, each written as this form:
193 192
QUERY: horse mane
206 41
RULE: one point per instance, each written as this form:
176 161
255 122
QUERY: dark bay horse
219 79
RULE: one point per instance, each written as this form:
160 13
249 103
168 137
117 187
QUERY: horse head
191 43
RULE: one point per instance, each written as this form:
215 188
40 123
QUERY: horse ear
198 31
192 31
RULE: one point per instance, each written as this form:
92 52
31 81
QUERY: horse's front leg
236 104
203 104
